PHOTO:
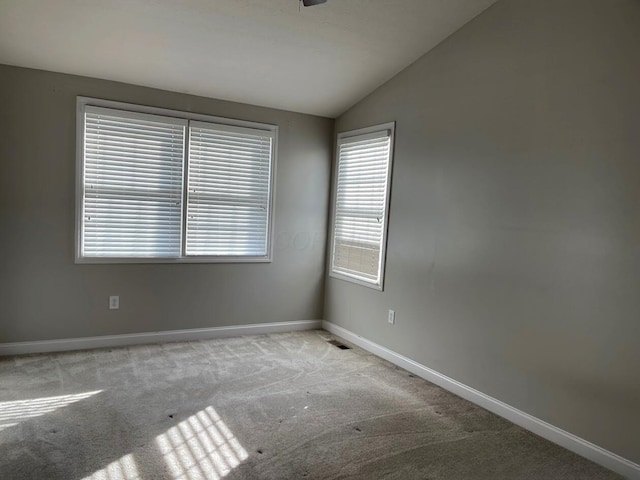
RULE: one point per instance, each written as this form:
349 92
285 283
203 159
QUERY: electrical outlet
114 302
392 317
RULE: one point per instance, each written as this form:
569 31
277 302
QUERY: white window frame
390 127
83 102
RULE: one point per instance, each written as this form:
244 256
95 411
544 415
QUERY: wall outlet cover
114 302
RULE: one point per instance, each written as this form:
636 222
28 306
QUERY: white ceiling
319 60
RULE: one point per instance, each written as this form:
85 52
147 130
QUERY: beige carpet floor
282 406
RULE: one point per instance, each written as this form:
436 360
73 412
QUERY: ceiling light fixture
311 3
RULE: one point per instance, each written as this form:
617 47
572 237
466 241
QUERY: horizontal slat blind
132 184
360 205
229 189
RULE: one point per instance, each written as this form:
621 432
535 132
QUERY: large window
163 186
361 204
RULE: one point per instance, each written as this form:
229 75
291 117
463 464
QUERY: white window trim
82 102
383 248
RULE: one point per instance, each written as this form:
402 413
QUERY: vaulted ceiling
318 60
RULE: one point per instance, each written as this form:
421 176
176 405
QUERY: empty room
319 239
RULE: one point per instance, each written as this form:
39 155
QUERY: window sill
199 259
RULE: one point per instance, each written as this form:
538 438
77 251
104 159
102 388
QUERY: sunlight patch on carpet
14 412
201 448
122 469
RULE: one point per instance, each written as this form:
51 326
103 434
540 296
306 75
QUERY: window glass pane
132 184
229 191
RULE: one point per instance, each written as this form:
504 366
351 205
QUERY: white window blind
132 184
229 190
361 203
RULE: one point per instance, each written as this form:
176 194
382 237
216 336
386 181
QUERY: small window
162 186
361 204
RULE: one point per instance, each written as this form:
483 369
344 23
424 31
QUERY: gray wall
44 295
514 237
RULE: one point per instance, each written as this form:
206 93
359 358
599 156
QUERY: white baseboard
19 348
556 435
